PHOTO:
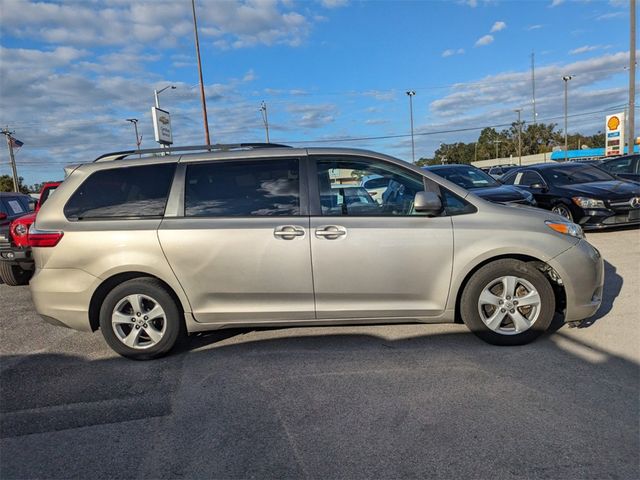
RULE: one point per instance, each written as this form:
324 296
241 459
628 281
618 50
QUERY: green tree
6 184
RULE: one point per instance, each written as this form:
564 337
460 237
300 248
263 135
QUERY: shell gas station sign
614 134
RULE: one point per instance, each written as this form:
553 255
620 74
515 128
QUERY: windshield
576 174
467 177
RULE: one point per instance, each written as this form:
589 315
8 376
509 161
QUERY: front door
375 257
241 248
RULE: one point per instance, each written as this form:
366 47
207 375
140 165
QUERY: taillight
44 238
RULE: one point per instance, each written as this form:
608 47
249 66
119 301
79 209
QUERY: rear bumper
581 269
15 255
62 296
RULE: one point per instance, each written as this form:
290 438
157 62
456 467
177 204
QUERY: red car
16 263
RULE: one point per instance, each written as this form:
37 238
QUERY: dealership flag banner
614 132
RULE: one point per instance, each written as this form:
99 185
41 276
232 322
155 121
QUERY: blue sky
71 72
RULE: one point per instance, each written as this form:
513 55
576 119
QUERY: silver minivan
149 246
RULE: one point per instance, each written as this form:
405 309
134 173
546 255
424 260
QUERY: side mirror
538 186
427 202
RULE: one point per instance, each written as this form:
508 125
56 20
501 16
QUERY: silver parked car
147 249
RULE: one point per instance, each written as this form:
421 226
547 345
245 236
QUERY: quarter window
243 188
127 192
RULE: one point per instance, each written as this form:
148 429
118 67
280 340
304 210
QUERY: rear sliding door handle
331 232
288 232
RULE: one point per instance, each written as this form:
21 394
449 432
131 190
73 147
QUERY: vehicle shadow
612 288
297 403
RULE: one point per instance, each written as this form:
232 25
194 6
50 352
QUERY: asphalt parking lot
331 402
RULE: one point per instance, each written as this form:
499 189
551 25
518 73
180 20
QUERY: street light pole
202 97
411 94
265 118
156 93
134 121
566 79
519 110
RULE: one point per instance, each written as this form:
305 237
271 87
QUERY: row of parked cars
17 214
147 248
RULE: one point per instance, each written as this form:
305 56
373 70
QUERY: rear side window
243 188
128 192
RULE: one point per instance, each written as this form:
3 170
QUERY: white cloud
235 24
485 40
535 27
588 48
450 52
611 15
312 116
497 26
555 3
334 3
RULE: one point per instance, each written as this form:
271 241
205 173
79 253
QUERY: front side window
126 192
346 189
243 188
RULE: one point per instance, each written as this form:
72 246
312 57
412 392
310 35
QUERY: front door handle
331 232
288 232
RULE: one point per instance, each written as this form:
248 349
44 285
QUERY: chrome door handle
331 232
288 232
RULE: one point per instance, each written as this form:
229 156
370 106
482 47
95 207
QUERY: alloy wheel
138 321
509 305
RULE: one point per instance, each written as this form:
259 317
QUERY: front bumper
598 219
581 269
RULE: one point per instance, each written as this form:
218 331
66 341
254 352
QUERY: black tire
173 318
14 275
563 210
470 308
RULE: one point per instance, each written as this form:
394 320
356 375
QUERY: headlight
566 228
586 202
20 230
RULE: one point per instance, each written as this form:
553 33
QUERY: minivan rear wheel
508 302
140 319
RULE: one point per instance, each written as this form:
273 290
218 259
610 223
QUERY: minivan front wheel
139 319
508 302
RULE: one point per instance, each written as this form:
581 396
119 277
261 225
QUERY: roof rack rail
219 147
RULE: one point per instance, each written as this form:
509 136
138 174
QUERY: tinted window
15 205
576 174
620 165
397 198
128 192
243 188
380 182
466 177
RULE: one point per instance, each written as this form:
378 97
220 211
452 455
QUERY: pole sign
161 126
614 134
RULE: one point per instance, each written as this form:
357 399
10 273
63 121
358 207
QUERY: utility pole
519 110
411 94
12 159
497 142
533 87
632 77
566 79
134 121
202 97
265 118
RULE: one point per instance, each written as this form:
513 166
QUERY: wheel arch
109 283
558 289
